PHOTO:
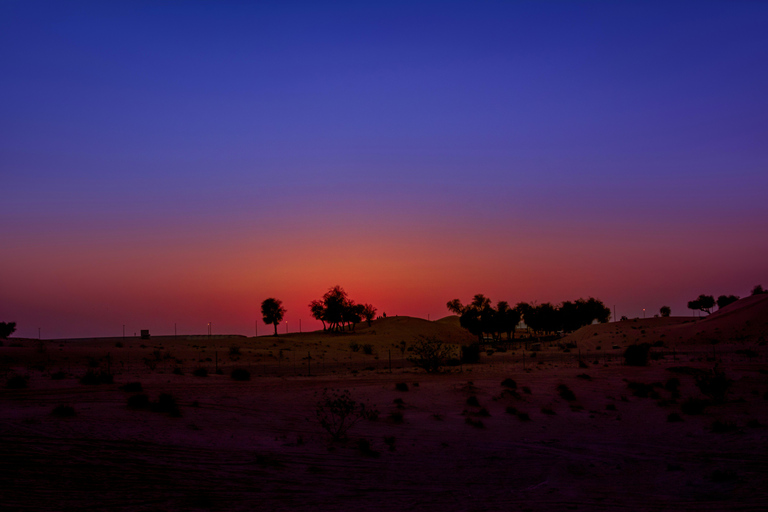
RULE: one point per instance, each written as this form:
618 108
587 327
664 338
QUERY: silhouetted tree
369 313
758 289
704 303
337 311
272 312
724 300
317 309
665 311
6 329
507 319
455 306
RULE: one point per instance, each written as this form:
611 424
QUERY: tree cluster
480 318
338 312
706 303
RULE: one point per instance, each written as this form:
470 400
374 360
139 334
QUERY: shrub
166 403
472 401
511 410
722 427
401 386
132 387
64 411
566 393
178 371
509 383
548 410
200 372
523 416
583 376
637 355
354 347
140 401
483 412
92 378
430 354
474 422
610 407
337 412
368 349
59 375
693 406
470 354
240 374
674 417
714 384
234 351
364 445
396 417
526 390
672 384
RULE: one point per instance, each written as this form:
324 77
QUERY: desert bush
234 351
548 410
472 401
354 347
132 387
470 354
200 372
714 384
474 422
526 390
64 411
583 376
724 475
165 403
483 412
364 445
337 412
672 384
566 393
674 417
723 427
642 390
523 416
93 378
139 401
119 344
368 349
178 371
430 354
509 383
637 355
511 410
401 386
610 407
396 417
240 374
693 406
59 375
390 441
582 364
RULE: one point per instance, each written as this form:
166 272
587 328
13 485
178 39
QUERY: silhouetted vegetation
64 411
714 384
200 372
704 303
430 354
665 311
132 387
337 311
693 406
724 300
566 393
757 290
637 355
240 374
93 378
470 354
480 318
337 412
17 382
6 329
509 383
401 386
272 312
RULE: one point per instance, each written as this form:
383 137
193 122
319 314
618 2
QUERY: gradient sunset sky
179 162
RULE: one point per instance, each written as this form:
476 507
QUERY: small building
145 334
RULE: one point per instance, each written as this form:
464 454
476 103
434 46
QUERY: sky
176 163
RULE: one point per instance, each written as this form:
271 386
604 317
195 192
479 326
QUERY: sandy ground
246 445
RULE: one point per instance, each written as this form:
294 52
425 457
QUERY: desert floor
257 444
